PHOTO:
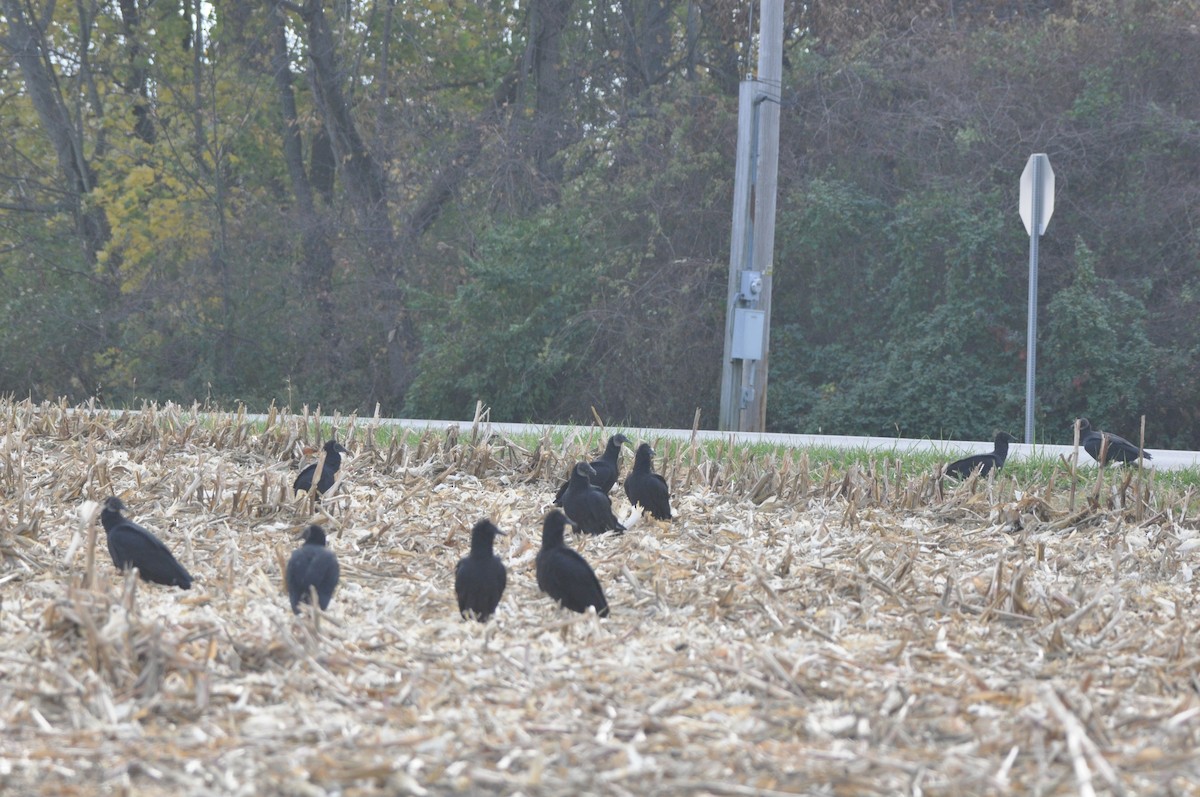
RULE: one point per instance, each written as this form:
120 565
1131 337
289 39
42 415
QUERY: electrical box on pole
748 329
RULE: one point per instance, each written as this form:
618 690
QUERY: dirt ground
796 629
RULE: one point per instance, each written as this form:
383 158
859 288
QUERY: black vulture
1119 449
586 506
130 545
333 461
964 467
607 468
645 488
479 578
563 574
312 565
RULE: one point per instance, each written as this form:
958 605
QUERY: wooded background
423 204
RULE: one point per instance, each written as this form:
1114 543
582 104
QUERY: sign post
1036 206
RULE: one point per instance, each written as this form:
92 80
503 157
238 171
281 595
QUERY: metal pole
739 259
740 242
1035 231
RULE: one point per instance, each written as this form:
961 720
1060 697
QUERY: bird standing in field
607 468
312 566
563 574
479 578
586 506
130 545
329 469
1118 449
645 488
964 467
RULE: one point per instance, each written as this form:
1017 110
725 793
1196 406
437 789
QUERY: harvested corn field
796 629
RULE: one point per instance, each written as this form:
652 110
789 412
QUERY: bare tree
27 43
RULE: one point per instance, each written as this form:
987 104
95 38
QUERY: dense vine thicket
425 205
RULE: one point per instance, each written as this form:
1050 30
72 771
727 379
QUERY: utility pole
752 240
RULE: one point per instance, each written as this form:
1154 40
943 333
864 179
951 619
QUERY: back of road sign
1045 177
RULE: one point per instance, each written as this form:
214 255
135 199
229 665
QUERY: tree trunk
366 188
543 58
647 33
317 276
365 184
131 22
